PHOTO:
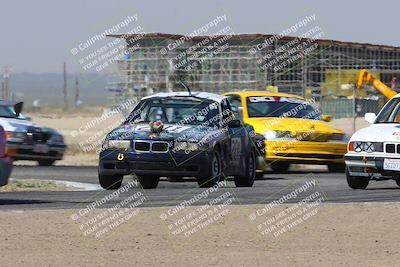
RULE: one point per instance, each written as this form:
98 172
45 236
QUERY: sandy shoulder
338 235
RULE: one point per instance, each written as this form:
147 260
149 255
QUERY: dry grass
32 185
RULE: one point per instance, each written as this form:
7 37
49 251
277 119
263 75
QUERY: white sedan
374 152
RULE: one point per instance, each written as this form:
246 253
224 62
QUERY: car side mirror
234 124
18 108
240 111
326 118
370 117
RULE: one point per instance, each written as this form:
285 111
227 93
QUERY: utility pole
6 76
76 91
65 85
354 109
3 91
304 74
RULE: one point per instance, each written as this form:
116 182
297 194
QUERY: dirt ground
338 235
80 132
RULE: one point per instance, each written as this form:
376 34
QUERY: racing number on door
236 147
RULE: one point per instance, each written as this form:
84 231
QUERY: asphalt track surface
272 187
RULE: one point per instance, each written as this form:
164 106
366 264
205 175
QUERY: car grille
159 147
36 135
392 148
142 146
151 146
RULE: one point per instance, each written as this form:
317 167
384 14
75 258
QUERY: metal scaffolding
320 67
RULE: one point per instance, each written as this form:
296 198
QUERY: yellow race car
294 129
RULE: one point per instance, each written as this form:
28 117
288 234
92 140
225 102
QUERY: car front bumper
157 164
22 151
370 166
305 152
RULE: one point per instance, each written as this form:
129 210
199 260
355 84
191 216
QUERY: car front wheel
110 182
356 182
214 172
148 182
175 179
280 167
248 179
336 167
259 175
46 162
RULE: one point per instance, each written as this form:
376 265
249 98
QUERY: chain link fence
343 108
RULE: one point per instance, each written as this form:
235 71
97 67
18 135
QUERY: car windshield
268 106
9 112
176 110
390 112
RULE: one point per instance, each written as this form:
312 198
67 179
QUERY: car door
236 143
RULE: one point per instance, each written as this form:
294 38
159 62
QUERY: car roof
262 93
202 95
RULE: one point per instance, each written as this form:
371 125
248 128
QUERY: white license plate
391 164
40 148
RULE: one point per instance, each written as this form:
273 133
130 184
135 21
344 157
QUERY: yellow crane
365 77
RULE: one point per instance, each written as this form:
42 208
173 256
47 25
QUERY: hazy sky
37 36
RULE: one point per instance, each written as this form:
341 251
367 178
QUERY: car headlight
270 134
57 138
117 144
186 146
368 147
15 136
278 135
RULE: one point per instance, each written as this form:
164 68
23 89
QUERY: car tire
259 175
248 179
175 179
356 182
213 173
148 182
46 162
336 167
280 167
110 182
397 182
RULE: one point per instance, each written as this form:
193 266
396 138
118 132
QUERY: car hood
15 125
261 125
21 125
170 132
378 132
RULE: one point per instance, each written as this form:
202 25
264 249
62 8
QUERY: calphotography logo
95 55
289 211
109 212
214 206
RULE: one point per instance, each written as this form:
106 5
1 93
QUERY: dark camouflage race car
181 135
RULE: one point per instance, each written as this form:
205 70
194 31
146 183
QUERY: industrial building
303 66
